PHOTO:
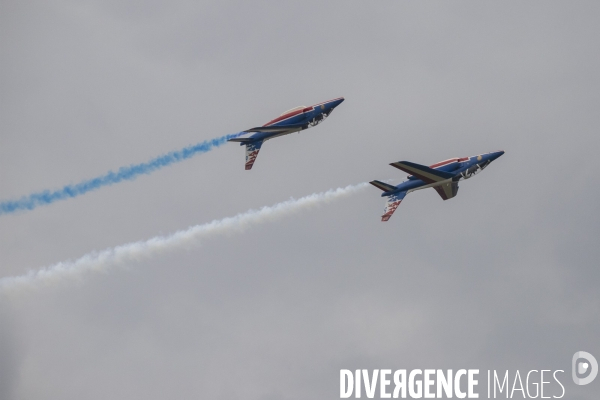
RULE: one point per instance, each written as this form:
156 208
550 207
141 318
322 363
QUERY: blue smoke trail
131 172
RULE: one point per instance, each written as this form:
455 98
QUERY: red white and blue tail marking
252 150
392 204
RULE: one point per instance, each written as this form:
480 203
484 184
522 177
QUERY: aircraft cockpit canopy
293 109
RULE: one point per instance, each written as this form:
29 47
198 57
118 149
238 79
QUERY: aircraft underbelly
274 135
430 185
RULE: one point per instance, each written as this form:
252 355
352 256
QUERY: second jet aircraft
443 177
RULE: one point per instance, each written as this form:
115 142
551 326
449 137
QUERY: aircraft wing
383 186
393 202
277 129
242 141
447 190
424 173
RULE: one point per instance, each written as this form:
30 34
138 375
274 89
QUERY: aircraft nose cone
337 102
496 154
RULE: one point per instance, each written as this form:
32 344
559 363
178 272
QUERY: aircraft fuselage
460 168
298 119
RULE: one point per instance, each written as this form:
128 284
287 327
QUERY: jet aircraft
442 176
294 120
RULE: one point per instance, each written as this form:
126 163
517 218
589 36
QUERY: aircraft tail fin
252 149
392 203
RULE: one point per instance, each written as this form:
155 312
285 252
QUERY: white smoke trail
136 251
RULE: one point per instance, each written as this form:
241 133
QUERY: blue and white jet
442 176
294 120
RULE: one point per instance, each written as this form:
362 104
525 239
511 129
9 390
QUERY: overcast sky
504 276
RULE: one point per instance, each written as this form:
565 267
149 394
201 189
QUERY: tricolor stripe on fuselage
328 101
283 119
448 161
